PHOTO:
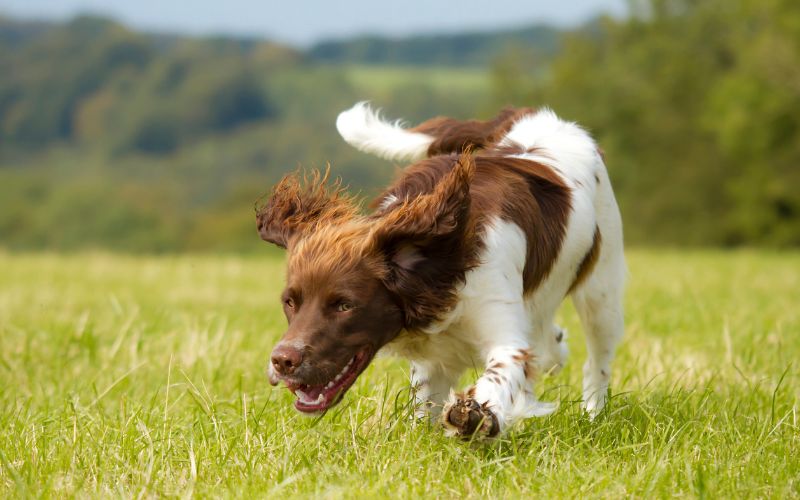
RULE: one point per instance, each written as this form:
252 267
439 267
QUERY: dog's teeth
320 399
341 374
347 366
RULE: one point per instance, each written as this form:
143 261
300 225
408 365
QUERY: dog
463 262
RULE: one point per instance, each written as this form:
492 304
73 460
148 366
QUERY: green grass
130 376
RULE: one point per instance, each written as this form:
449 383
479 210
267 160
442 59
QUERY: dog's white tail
363 128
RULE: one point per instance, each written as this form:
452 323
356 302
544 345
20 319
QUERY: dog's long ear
300 203
428 244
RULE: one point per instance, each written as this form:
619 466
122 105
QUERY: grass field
385 78
141 376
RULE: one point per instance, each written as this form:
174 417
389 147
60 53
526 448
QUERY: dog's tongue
310 394
314 399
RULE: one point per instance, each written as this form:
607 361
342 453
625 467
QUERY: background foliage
140 142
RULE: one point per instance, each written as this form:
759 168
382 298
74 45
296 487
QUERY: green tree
695 104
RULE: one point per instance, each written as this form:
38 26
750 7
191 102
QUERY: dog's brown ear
300 203
428 244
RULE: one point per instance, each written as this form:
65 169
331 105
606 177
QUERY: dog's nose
286 359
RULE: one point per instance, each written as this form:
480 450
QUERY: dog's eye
343 307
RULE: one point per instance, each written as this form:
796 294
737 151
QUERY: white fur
494 320
363 128
387 202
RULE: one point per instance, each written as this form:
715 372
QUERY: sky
305 22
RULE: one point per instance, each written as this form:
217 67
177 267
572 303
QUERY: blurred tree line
467 49
115 139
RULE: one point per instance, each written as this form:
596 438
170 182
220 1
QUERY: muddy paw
466 417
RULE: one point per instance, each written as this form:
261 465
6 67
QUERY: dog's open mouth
318 398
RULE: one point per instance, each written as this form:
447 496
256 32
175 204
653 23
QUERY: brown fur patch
299 204
588 262
456 136
332 254
533 197
523 356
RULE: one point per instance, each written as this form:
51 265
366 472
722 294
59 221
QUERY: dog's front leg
500 397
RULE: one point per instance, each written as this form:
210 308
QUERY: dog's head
354 282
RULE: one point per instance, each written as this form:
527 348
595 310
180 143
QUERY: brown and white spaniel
463 262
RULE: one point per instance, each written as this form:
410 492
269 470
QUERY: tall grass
130 376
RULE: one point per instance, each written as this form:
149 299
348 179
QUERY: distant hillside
462 49
94 81
14 33
149 142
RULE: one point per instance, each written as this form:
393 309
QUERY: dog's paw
593 402
465 417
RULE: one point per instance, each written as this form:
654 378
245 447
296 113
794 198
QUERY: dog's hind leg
601 316
598 301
